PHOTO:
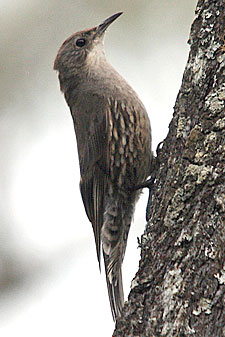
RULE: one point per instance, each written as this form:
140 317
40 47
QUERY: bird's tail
115 288
117 219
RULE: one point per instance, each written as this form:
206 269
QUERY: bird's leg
149 184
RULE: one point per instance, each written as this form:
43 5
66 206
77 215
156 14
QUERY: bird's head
82 48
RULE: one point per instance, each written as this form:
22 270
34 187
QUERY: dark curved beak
105 24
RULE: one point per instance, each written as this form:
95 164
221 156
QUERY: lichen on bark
179 289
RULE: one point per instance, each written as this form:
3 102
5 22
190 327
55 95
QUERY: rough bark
179 289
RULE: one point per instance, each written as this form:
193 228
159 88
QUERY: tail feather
115 288
114 232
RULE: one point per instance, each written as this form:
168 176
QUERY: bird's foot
149 184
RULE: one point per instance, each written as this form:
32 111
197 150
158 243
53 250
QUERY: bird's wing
90 121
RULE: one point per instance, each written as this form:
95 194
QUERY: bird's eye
80 42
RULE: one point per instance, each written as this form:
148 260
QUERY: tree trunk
179 289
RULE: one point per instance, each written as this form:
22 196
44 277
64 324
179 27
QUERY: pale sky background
49 279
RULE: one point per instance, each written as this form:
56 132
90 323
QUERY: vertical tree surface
179 289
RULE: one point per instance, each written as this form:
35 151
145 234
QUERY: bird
113 136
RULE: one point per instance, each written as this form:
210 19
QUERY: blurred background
50 284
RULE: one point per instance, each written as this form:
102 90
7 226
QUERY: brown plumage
114 145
